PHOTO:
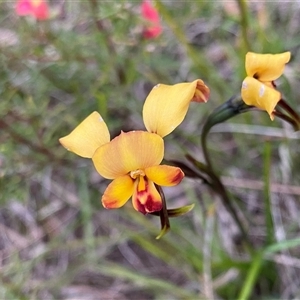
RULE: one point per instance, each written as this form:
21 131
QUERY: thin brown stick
259 185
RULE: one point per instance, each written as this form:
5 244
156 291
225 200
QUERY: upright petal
167 105
146 198
164 175
89 135
260 95
127 152
118 192
266 67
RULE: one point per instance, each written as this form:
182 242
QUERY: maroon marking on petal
151 205
141 207
178 177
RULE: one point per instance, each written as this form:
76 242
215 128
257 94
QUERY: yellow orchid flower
167 105
132 160
258 88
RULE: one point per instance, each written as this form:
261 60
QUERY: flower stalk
242 4
234 106
294 120
286 118
229 109
163 214
224 112
217 185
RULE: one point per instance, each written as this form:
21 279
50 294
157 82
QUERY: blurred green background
56 239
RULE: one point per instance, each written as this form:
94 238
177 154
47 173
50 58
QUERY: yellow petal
118 192
127 152
146 198
266 67
164 175
167 105
257 94
90 134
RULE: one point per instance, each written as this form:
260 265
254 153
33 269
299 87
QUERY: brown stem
163 213
218 187
284 105
295 124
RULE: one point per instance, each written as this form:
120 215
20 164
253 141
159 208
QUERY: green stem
267 197
242 4
224 112
227 110
252 277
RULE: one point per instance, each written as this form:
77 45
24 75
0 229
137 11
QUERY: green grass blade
251 277
267 194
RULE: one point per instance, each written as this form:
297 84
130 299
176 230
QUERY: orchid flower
132 159
37 8
153 28
258 88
